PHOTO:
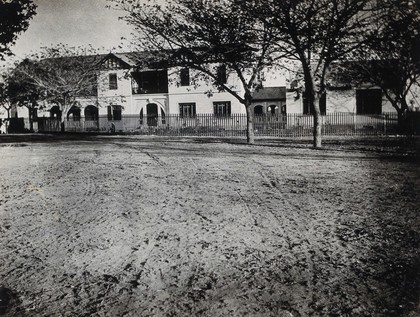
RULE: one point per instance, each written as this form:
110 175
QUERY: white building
130 99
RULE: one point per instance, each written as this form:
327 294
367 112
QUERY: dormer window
185 77
113 81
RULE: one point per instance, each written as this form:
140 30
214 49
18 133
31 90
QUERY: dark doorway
368 101
152 114
55 112
73 114
272 109
258 110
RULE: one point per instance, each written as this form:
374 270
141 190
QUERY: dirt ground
144 226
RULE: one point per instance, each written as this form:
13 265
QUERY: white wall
140 102
341 101
292 105
345 101
197 93
413 98
121 96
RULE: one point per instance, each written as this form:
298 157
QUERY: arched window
272 109
258 110
73 114
55 112
91 113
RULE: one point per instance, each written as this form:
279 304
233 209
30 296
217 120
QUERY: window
221 74
185 77
258 110
272 109
73 114
222 108
113 81
187 110
55 112
91 113
368 101
114 113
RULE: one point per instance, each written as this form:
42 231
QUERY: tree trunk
64 109
317 126
403 123
314 98
31 120
249 122
31 124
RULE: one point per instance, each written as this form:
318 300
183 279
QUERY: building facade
130 99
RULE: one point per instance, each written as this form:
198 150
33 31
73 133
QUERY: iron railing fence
287 125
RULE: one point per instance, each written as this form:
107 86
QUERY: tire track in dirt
125 210
297 228
166 230
154 157
307 228
158 266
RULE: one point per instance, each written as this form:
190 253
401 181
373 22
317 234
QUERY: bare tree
14 19
59 76
19 91
202 35
315 33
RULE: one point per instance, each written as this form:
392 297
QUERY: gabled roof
140 60
270 93
131 59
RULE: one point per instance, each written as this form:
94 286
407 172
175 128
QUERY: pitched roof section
270 93
140 60
131 58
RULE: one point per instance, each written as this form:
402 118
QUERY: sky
73 22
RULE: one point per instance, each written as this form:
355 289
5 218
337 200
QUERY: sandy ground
135 226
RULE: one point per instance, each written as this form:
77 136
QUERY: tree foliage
314 33
203 35
390 58
14 19
59 75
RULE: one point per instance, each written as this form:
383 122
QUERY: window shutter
117 112
113 81
109 113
